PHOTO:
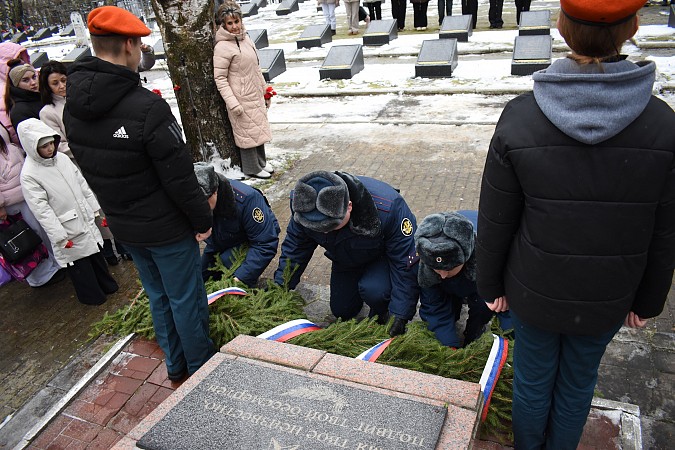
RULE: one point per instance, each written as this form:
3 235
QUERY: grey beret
445 240
206 177
320 201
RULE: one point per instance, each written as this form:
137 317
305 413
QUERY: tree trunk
187 33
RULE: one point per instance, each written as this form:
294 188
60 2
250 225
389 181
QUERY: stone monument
287 6
259 38
531 53
535 23
315 36
68 31
81 37
158 49
272 62
37 59
456 27
342 62
437 58
43 33
249 9
380 32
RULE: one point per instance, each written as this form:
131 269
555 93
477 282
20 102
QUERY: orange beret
600 12
111 20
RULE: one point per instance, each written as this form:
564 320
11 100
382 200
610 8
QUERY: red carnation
269 93
157 91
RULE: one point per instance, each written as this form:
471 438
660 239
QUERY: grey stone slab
437 58
456 27
259 38
636 355
14 430
76 54
247 406
37 59
531 53
315 36
261 3
158 48
272 62
380 32
535 23
342 62
249 9
55 29
17 38
664 361
68 31
287 6
664 341
671 17
43 33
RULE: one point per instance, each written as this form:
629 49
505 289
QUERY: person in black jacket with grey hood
131 152
577 217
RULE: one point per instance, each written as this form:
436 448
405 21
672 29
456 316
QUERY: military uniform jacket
386 232
253 224
131 152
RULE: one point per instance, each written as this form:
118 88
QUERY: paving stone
82 430
664 341
140 398
123 384
123 422
143 347
52 431
664 360
143 364
105 439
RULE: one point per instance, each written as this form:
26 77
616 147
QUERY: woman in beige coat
240 82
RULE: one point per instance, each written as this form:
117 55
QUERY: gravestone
287 6
531 53
272 62
437 58
68 31
249 9
242 405
43 33
17 38
380 32
158 49
342 62
54 29
30 32
261 3
535 23
259 38
456 27
77 54
315 36
81 37
37 59
671 17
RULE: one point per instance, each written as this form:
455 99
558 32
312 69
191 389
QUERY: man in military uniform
241 216
367 230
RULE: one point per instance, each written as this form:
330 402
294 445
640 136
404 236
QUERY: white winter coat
58 196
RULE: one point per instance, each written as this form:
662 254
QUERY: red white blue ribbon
375 351
212 297
289 330
493 367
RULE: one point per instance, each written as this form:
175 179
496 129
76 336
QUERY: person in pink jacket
242 86
9 51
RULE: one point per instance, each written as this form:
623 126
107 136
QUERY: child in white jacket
65 206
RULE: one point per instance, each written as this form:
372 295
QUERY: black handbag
17 239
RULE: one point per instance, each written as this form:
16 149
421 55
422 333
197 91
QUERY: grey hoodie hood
591 104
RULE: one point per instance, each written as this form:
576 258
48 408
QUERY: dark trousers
91 279
350 288
398 12
375 10
554 377
444 9
495 13
471 7
521 5
420 14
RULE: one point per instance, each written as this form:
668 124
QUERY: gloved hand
238 110
69 244
398 327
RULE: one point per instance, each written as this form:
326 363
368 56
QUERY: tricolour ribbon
375 351
289 330
493 367
212 297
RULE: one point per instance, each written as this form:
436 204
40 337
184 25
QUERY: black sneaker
177 377
112 260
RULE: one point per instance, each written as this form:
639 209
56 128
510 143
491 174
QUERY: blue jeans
171 276
553 383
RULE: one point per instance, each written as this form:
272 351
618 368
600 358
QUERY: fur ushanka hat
320 201
444 241
207 178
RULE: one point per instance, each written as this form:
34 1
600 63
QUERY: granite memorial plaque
37 59
43 33
158 48
380 32
671 17
30 32
55 29
272 62
531 53
437 58
77 54
342 62
245 406
286 7
456 27
315 36
68 31
17 38
259 38
535 22
249 9
261 3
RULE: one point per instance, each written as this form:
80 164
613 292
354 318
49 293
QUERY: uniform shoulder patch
406 227
258 215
